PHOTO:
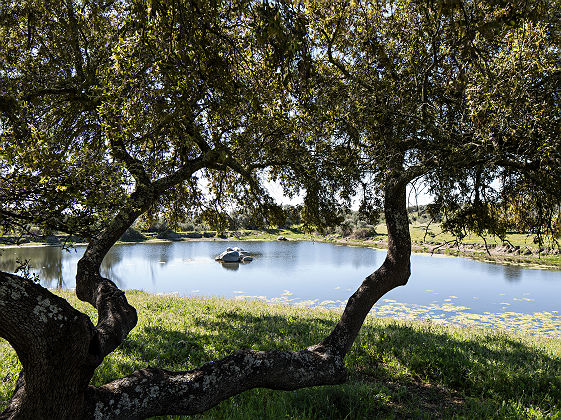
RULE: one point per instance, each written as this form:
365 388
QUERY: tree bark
394 271
60 348
52 341
151 392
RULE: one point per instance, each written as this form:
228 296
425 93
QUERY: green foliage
103 102
49 139
219 221
132 235
462 94
328 98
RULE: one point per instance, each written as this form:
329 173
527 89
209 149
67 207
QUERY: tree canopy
101 100
463 95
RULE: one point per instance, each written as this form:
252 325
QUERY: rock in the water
229 256
234 255
282 238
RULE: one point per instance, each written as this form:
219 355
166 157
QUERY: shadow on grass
490 366
395 369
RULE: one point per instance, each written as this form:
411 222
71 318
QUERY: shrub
364 232
132 235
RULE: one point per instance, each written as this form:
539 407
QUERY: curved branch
210 159
340 66
152 392
116 317
133 165
27 310
394 272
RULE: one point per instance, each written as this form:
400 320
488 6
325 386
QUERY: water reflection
513 273
231 266
46 262
312 272
111 260
165 251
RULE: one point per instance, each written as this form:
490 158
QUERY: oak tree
118 109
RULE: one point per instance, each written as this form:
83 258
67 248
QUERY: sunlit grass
397 368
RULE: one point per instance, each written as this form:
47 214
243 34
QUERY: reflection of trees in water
111 260
512 273
165 250
163 258
45 261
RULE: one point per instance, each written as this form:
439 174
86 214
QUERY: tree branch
133 165
394 272
116 317
152 392
339 65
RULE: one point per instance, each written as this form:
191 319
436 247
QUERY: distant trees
113 111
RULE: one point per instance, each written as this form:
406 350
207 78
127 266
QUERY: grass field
397 369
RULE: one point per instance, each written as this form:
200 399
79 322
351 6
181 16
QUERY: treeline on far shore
426 230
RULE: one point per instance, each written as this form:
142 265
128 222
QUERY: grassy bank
396 369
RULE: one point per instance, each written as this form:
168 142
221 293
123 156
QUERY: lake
443 289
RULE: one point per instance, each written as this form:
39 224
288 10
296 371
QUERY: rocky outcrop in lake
234 255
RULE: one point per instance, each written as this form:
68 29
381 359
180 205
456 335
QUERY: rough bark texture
52 341
151 392
60 348
394 271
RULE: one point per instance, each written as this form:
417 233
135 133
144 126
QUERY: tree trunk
52 341
394 271
60 348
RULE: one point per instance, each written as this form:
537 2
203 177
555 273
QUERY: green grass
397 369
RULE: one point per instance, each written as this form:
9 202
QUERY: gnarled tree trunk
60 348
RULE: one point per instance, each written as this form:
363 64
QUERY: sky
276 192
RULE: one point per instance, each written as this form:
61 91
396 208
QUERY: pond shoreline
315 273
495 255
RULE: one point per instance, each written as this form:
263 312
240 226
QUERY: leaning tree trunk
60 348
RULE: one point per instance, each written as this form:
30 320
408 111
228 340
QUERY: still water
449 289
